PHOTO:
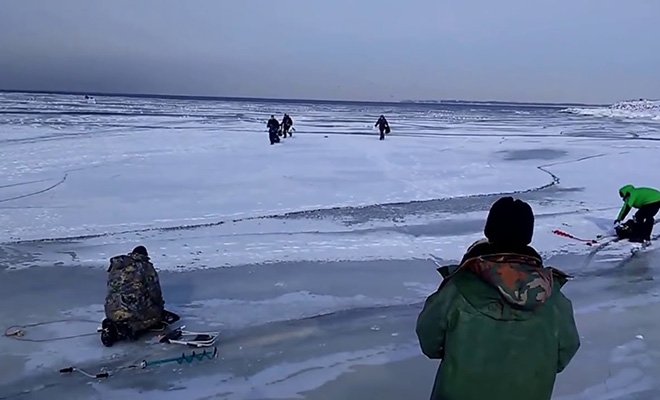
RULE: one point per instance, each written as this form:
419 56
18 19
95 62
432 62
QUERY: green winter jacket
501 327
635 198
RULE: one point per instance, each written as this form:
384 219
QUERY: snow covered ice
310 256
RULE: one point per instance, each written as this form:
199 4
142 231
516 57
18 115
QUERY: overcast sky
520 50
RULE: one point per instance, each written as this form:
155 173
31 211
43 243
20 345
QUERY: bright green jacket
501 327
635 198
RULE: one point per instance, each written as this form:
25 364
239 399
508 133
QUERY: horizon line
294 100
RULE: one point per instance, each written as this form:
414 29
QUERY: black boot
109 334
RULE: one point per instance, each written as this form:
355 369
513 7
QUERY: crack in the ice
37 192
23 183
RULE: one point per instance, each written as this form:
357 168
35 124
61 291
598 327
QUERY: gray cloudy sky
522 50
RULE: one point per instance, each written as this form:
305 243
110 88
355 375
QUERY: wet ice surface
310 257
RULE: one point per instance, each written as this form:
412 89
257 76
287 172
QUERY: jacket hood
121 262
626 190
521 281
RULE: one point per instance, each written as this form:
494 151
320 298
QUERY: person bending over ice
134 301
640 226
499 321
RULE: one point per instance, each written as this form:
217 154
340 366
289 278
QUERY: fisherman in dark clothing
383 126
134 301
287 123
273 127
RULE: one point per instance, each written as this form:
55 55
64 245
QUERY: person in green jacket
640 227
499 321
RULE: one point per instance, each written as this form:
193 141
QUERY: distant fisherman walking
273 127
287 123
383 126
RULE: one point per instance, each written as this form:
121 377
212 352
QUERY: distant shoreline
429 103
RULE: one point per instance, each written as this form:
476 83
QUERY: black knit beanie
510 222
